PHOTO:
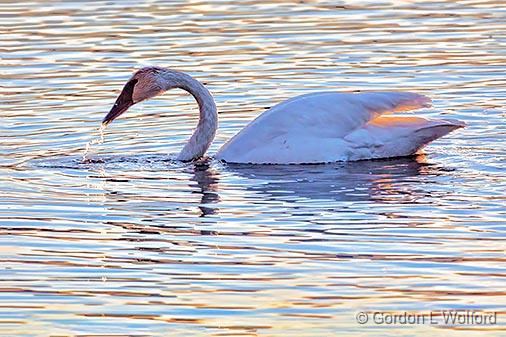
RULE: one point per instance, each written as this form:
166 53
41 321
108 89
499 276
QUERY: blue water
135 243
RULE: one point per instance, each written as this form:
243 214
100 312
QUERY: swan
318 127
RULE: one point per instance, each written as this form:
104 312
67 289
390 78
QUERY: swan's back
329 126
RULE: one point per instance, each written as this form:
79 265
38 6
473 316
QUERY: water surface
134 243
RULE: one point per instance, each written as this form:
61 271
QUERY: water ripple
131 242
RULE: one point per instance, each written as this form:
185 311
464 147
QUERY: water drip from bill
95 141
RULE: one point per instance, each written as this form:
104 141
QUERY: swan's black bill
123 102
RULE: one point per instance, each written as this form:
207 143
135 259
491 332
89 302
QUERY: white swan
314 128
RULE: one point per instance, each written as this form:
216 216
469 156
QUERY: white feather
328 126
314 128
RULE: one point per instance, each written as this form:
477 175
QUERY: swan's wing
335 114
324 115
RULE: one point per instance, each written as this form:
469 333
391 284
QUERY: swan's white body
314 128
328 127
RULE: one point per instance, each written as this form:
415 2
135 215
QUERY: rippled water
134 243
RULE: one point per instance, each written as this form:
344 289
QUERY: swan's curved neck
204 134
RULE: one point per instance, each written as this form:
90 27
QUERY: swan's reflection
394 180
199 177
378 180
207 181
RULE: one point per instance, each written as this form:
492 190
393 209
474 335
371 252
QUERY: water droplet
95 141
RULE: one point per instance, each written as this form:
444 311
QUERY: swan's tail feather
438 129
394 136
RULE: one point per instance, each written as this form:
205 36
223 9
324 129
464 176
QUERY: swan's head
144 84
